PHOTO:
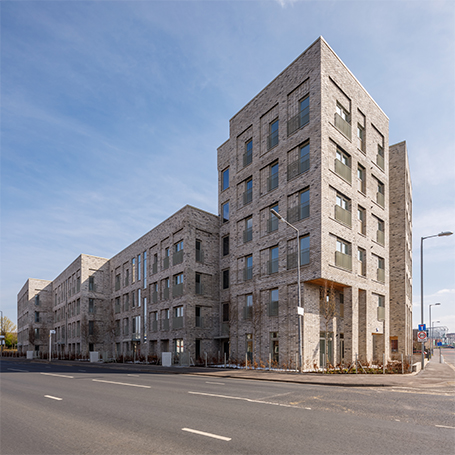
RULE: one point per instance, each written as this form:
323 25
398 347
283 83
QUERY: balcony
199 289
343 215
298 121
380 237
166 263
380 199
247 312
177 290
343 125
247 158
272 140
273 308
165 324
299 212
177 322
272 266
272 182
247 273
248 196
298 167
248 235
342 170
272 224
343 260
177 257
381 275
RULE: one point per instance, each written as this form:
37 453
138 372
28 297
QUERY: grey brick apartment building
313 146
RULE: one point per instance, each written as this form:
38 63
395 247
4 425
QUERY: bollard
246 360
383 363
270 360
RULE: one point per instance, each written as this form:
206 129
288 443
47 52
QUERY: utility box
29 355
166 359
94 357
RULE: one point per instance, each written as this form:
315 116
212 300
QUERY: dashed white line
14 369
210 435
218 383
123 383
58 375
53 398
444 426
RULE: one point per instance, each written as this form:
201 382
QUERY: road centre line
219 383
444 426
14 369
203 433
53 398
247 399
123 383
58 375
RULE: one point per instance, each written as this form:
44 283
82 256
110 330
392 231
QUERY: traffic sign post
422 336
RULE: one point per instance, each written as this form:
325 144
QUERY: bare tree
327 307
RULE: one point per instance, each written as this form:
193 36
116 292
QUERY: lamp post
441 234
300 309
431 330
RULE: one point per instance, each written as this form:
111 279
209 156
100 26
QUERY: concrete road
52 409
448 355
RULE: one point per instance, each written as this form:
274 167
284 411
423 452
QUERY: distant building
313 146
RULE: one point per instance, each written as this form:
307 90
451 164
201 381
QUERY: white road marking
396 420
123 383
203 433
14 369
58 375
247 399
134 375
53 398
444 426
219 383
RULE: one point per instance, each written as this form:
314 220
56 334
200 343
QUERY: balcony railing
177 322
273 308
177 257
343 125
272 266
342 170
272 224
298 167
362 227
155 267
272 182
298 121
247 158
248 235
165 324
381 313
380 199
247 312
199 289
381 275
166 263
177 290
380 161
248 196
343 215
304 258
343 260
199 322
362 268
166 293
200 256
299 212
380 237
155 297
247 273
272 140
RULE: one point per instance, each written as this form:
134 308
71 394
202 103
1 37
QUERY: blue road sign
439 343
422 327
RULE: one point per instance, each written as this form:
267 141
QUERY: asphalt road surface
55 409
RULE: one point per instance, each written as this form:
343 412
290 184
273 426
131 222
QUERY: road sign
422 336
439 343
422 327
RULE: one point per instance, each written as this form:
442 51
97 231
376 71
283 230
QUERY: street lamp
431 331
441 234
300 309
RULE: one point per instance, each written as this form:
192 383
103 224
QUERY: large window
177 290
248 193
248 310
248 231
272 139
248 155
225 179
272 180
272 222
225 245
177 258
361 175
226 279
225 212
248 270
302 210
273 302
273 260
305 250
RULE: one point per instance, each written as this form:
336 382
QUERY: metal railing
199 322
362 268
225 329
298 121
200 256
199 288
272 182
248 196
272 140
155 267
343 260
177 257
177 290
272 266
362 227
342 170
298 167
380 161
164 324
247 158
247 312
273 308
380 237
272 224
381 313
166 293
177 322
343 215
247 273
380 199
381 275
299 212
248 235
343 125
154 297
166 263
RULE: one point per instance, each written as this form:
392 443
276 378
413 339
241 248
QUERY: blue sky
111 114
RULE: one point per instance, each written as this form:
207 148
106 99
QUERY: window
300 163
198 281
248 231
133 299
165 287
380 234
394 344
165 319
343 209
361 175
178 344
117 282
178 253
302 210
133 270
272 139
37 299
177 290
305 250
272 180
248 155
78 328
381 308
225 212
198 316
144 254
248 310
225 179
273 260
302 118
126 302
177 322
117 328
139 298
248 193
78 306
155 263
36 334
273 303
272 222
36 316
343 120
225 312
343 164
380 157
361 137
381 270
199 252
343 254
139 270
91 327
78 284
226 279
154 321
362 257
361 220
91 305
380 194
117 305
127 277
248 270
91 283
225 245
154 292
136 329
166 259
